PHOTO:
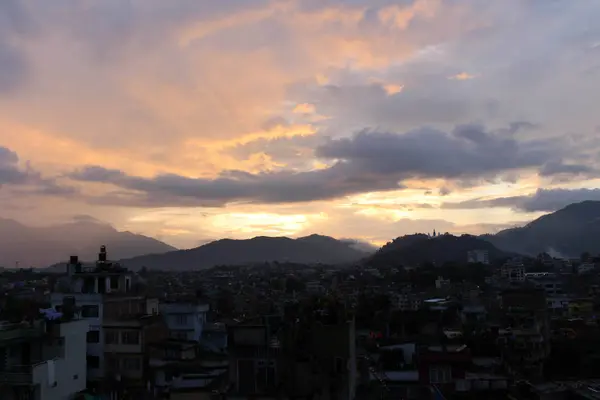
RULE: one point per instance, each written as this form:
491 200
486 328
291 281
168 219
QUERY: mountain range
567 232
28 246
305 250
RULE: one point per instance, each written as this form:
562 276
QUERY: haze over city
190 121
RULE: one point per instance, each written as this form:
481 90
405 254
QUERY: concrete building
513 272
43 360
478 256
122 321
185 320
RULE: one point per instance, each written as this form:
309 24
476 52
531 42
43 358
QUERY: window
89 311
130 337
131 363
114 282
93 361
93 337
440 374
339 365
182 319
111 337
179 335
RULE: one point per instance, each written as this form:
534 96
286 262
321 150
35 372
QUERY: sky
193 120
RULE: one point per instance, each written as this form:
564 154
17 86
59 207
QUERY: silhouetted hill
42 246
420 248
307 250
567 232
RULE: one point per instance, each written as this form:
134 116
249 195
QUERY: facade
478 256
43 360
185 320
122 321
513 272
310 356
526 344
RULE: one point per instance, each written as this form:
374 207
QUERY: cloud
369 161
10 172
543 200
15 24
463 76
465 152
28 181
560 168
192 102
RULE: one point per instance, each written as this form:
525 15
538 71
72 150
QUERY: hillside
567 232
43 246
307 250
418 249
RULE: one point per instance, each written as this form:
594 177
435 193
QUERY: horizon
190 122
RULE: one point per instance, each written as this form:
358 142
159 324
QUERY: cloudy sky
191 120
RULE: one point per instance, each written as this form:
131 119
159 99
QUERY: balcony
26 375
17 375
20 331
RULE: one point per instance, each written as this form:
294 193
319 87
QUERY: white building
43 360
88 290
185 321
478 256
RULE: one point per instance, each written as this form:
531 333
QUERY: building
255 361
478 256
122 320
185 320
513 271
526 340
440 282
42 360
305 354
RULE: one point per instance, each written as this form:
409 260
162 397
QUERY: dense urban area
516 328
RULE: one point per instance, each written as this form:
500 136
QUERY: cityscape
299 200
489 325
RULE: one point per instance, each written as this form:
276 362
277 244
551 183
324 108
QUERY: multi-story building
185 320
408 302
513 271
122 320
42 360
478 256
526 342
310 353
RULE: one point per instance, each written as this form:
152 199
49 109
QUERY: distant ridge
567 232
25 246
413 250
306 250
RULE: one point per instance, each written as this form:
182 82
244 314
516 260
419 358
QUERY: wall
70 371
93 349
185 319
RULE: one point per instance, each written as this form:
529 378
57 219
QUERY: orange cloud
463 76
304 108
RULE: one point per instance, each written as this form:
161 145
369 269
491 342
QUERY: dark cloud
369 161
541 201
559 168
468 151
28 179
444 191
239 186
10 173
